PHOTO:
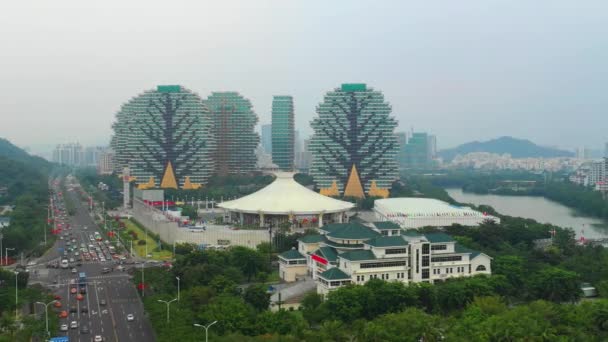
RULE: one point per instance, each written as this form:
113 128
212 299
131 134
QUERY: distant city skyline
444 67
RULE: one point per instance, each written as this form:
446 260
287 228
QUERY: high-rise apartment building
165 137
105 162
267 138
401 142
283 135
235 137
354 141
419 151
71 154
303 157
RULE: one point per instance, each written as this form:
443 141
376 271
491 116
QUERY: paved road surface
110 320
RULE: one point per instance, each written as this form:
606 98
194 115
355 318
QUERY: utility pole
177 288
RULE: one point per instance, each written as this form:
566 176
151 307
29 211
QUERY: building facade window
425 261
425 273
480 268
417 261
446 258
396 251
425 248
383 264
439 247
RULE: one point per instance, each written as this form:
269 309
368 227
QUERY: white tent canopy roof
285 196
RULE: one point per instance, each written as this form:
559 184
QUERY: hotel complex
354 146
353 253
283 134
165 138
234 129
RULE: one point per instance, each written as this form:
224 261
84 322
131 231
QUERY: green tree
556 284
257 296
409 325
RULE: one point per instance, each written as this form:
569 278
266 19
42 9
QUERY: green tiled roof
384 225
410 232
352 231
363 254
312 238
343 245
460 249
292 254
328 253
387 241
438 237
334 273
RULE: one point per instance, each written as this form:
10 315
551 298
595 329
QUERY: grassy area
140 250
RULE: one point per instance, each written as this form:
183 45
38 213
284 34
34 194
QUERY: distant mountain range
10 151
517 148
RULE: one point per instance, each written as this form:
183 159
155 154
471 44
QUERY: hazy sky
463 70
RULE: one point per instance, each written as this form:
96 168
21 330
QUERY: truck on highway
82 279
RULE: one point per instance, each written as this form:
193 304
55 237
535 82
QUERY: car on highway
74 325
83 290
71 259
102 302
130 318
98 338
79 297
73 290
57 297
84 309
105 270
63 314
84 329
73 309
64 327
57 304
74 270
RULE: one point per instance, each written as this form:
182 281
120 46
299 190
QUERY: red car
73 290
57 297
79 297
57 304
63 314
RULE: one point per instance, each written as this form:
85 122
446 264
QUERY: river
539 209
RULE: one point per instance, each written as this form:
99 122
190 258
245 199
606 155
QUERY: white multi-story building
105 162
353 253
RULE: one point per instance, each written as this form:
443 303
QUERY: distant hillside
21 173
517 148
10 151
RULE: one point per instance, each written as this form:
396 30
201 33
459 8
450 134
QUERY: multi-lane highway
108 295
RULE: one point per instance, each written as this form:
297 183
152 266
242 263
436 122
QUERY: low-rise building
353 253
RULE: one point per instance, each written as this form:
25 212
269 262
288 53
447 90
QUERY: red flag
141 286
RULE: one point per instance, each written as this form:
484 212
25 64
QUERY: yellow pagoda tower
149 185
169 181
189 185
353 186
375 191
332 191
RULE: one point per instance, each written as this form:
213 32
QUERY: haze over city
464 71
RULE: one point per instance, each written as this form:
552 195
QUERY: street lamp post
143 281
46 314
206 329
177 288
6 254
16 295
1 236
168 303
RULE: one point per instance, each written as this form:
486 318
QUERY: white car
64 327
74 325
74 270
130 318
98 338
